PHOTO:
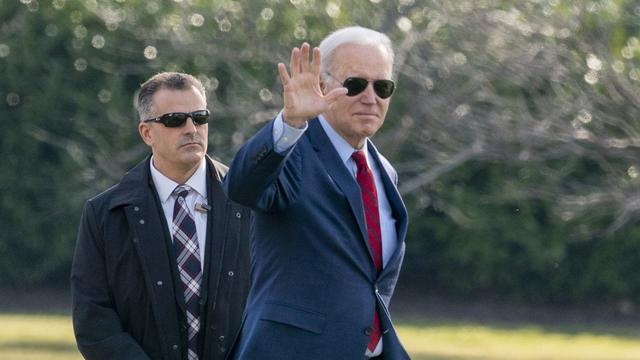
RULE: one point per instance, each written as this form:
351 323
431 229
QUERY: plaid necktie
185 241
365 180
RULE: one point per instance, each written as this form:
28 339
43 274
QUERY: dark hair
166 80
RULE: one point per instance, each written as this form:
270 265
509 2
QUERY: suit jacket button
367 331
174 347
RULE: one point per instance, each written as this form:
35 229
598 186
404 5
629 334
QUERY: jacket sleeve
97 327
261 178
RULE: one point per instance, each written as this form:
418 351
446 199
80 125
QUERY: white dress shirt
285 136
198 194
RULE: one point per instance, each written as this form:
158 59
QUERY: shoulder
102 203
386 165
103 197
130 187
217 168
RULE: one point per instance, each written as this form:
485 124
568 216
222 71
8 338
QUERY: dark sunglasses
356 85
177 119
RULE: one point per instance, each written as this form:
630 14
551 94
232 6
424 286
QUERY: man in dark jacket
161 265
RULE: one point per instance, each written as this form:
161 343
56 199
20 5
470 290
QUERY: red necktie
367 184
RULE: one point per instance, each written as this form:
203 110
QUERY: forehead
170 100
370 60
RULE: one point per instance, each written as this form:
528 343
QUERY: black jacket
127 302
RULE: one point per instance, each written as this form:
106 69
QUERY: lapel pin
202 207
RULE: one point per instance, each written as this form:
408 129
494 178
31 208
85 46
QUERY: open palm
303 97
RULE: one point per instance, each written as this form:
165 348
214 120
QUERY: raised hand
303 97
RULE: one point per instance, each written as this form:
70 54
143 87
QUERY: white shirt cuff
285 135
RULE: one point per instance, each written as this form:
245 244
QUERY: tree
514 127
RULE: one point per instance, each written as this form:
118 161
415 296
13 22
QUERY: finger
334 94
315 62
304 58
284 75
295 62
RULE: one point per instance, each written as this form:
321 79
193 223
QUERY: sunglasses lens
178 119
383 88
174 119
355 85
200 117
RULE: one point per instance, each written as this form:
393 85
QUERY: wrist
296 122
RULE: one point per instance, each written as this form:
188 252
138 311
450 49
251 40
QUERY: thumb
334 94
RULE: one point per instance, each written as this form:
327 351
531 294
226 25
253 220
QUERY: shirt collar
344 149
165 186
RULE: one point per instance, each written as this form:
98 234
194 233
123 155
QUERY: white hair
351 35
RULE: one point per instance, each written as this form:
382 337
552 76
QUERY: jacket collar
134 184
343 179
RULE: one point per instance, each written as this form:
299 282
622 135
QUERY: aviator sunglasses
356 85
177 119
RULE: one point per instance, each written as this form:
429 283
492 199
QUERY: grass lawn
49 337
37 337
438 340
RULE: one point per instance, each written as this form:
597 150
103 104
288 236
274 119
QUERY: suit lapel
398 209
340 175
215 242
150 238
155 248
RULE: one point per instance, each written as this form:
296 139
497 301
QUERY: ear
145 133
323 87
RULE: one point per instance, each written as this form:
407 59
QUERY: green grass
37 337
439 340
50 337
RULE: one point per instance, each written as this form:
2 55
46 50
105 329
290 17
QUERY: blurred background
515 130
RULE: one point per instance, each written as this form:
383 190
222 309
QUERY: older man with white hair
329 224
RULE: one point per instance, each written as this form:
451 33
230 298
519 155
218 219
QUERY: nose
189 126
368 96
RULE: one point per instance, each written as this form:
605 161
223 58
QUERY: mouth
365 114
191 144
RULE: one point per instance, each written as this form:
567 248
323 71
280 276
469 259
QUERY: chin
369 131
192 158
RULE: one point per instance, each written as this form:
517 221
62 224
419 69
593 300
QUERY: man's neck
177 174
356 143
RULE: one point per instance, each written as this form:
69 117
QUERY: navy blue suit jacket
314 286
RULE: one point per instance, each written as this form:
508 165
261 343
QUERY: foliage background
515 128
